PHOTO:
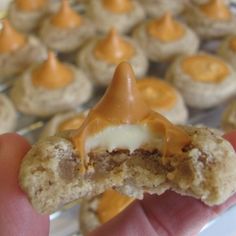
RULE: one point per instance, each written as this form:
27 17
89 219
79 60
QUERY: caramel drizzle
66 17
123 104
118 6
216 9
10 39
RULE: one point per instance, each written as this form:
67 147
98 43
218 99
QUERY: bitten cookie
65 31
17 51
156 8
121 14
165 38
123 144
204 80
162 97
100 209
51 87
100 56
7 115
211 19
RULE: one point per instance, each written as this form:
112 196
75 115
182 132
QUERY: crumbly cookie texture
51 177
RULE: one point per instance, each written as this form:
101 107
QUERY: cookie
64 121
65 31
165 38
26 15
124 145
100 56
204 80
18 51
211 19
51 87
156 8
162 97
122 14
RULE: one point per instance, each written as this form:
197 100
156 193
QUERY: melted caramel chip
118 6
111 204
205 68
10 39
232 44
66 17
123 104
216 9
31 5
166 29
157 93
72 123
52 74
113 48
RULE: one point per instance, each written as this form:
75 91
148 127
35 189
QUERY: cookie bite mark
166 29
118 6
52 74
111 203
72 123
157 93
66 17
10 39
205 68
216 9
122 111
113 48
31 5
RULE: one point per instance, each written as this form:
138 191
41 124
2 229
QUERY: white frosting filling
129 137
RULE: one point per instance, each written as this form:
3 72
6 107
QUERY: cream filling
129 137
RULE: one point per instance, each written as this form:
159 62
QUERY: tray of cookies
59 58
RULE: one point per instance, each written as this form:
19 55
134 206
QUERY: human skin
165 215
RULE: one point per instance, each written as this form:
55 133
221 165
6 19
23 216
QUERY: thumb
17 217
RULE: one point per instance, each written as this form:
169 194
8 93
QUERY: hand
165 215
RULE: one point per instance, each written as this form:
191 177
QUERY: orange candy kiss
52 74
66 17
10 39
123 104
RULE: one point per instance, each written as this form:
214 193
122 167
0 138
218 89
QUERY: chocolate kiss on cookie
124 145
